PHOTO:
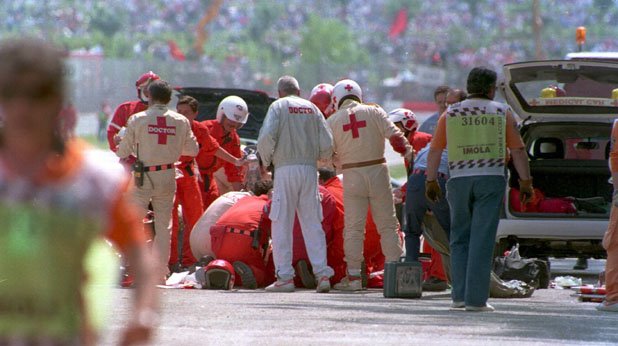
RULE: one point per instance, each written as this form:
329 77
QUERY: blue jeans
475 212
416 207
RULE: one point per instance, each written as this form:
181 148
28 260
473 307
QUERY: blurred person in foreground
157 137
293 138
359 133
439 97
610 240
477 131
57 200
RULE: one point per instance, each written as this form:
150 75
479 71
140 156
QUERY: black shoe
434 284
175 268
581 264
306 276
246 275
203 262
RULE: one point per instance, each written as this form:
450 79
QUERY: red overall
209 164
189 197
372 250
233 238
119 120
120 117
332 223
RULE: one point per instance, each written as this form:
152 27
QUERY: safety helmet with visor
406 117
218 274
234 108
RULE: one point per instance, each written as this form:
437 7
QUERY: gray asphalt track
244 317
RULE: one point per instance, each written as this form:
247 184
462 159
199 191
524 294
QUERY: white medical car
567 137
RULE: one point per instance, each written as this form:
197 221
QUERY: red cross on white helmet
405 116
345 88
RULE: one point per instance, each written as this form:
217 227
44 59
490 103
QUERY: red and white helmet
218 274
321 96
234 108
345 88
143 81
405 116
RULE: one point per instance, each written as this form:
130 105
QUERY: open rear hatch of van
568 108
584 90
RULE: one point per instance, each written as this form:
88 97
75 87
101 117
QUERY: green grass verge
398 171
93 140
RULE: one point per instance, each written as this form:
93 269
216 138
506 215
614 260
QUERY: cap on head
405 116
346 88
321 96
234 108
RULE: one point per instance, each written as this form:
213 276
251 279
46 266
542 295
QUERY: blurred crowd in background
247 43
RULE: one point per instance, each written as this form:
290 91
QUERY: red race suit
234 238
188 195
332 223
209 164
372 251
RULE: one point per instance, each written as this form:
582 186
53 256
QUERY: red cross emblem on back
161 130
354 125
348 88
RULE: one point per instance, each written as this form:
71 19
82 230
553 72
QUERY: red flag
175 51
399 24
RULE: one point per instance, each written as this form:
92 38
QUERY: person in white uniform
293 138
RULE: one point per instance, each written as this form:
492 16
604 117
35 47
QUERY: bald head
288 85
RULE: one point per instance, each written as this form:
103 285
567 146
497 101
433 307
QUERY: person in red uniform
332 223
232 113
406 121
187 188
126 109
241 236
372 251
321 96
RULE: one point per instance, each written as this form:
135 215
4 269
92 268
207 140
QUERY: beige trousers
366 187
159 189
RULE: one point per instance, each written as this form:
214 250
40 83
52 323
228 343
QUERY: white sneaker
347 284
323 285
457 306
607 306
486 308
281 286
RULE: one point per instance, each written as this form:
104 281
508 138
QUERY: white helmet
345 88
405 116
234 108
